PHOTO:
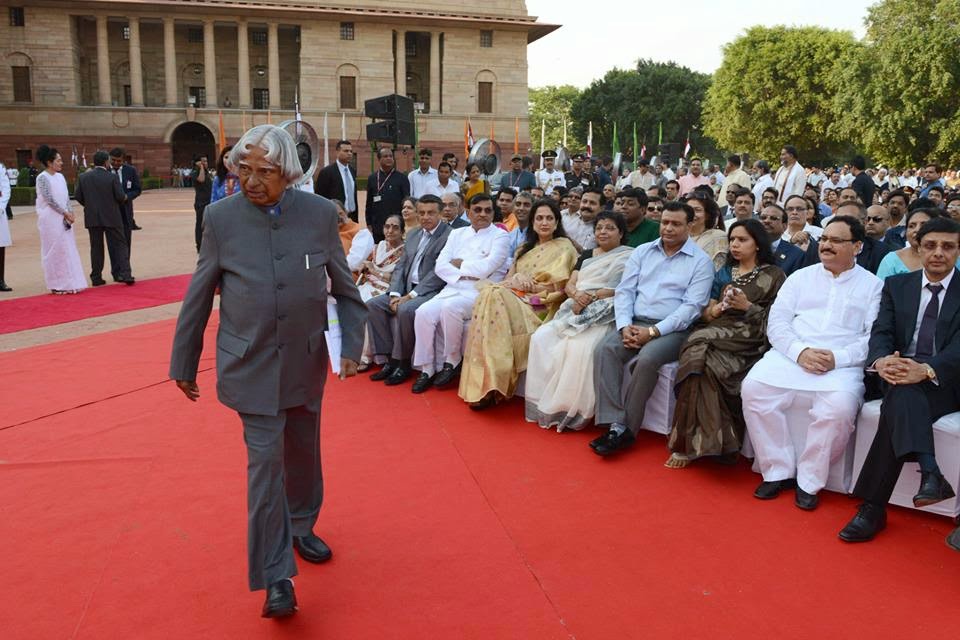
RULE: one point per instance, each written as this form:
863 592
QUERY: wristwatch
412 294
931 374
653 332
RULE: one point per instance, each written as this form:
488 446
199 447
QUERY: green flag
660 134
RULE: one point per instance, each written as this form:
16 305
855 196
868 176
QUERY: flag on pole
466 138
416 136
343 126
470 139
686 148
636 151
326 141
491 129
516 135
643 150
83 155
564 132
615 145
590 139
222 139
543 136
73 156
660 134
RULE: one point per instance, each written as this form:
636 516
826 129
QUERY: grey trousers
393 334
284 488
609 358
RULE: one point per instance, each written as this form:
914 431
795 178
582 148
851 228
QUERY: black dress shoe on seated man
423 382
400 375
934 488
448 374
281 600
615 442
870 520
770 490
384 372
312 549
806 501
953 540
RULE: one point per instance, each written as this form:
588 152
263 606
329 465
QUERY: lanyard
381 185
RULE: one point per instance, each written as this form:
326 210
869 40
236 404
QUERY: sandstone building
154 77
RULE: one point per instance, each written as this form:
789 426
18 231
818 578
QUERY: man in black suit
862 183
453 212
915 348
99 192
386 189
338 181
129 179
788 257
414 282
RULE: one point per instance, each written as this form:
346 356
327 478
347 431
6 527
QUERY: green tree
901 95
551 105
650 94
774 87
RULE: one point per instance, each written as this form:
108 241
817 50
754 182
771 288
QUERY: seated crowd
575 297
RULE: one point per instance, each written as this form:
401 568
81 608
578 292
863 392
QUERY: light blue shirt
517 237
654 285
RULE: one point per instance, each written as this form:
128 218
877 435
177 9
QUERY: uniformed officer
548 177
578 177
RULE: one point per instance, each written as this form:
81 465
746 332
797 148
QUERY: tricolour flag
590 139
470 139
686 149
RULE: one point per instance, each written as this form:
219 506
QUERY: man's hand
801 239
190 389
635 337
897 370
817 361
348 368
396 302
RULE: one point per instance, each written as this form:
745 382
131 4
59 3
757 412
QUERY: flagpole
326 141
343 126
564 132
466 144
543 136
516 135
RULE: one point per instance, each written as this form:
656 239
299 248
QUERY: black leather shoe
770 490
384 372
953 540
128 281
136 227
399 376
312 549
934 488
869 521
614 443
448 374
423 382
596 442
4 287
281 600
98 283
806 501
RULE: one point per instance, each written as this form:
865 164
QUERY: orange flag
222 141
466 139
491 129
269 117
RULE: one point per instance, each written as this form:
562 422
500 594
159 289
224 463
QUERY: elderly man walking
272 254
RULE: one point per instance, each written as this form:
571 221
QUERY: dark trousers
905 430
198 227
3 260
284 488
127 215
391 334
116 246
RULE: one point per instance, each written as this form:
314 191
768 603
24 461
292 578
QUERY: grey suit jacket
272 273
99 192
430 282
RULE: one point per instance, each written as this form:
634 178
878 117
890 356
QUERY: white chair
946 442
658 414
798 417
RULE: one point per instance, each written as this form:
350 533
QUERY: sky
691 33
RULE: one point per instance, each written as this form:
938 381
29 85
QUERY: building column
401 60
103 61
136 64
209 64
243 64
170 63
434 72
273 65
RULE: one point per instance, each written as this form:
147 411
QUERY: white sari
62 269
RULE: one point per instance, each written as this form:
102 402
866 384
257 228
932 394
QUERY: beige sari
504 319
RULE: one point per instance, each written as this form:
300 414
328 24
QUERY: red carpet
31 312
124 516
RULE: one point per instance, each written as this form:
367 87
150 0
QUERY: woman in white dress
376 272
59 257
559 387
5 240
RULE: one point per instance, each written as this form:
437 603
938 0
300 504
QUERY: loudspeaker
669 152
397 119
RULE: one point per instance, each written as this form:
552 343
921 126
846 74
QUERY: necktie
928 324
348 188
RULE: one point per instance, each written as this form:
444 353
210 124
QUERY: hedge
20 196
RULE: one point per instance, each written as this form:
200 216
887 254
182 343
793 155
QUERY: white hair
278 145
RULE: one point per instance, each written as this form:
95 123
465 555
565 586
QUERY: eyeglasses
831 240
771 218
796 209
931 246
654 208
875 218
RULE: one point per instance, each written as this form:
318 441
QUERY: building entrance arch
191 139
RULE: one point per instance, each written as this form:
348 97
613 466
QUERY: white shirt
669 174
420 182
909 182
816 310
814 232
640 180
789 182
547 180
439 190
815 178
738 177
360 249
827 184
485 254
764 182
925 297
577 230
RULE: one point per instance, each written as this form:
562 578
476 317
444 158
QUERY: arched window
347 85
486 91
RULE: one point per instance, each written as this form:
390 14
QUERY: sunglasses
654 208
875 218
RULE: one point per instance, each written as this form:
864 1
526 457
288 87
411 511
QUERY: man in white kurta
818 327
472 254
791 178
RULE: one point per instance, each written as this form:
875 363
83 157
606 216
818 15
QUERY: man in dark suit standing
272 253
414 282
788 257
98 190
386 189
915 348
129 179
338 181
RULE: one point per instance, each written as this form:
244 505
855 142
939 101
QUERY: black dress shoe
281 600
596 442
127 281
806 501
4 287
423 382
136 227
399 376
98 283
934 488
770 490
953 540
614 443
448 374
312 549
869 521
384 372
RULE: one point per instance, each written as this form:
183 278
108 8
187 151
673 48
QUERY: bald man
878 221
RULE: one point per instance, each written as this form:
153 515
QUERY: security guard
578 177
548 177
